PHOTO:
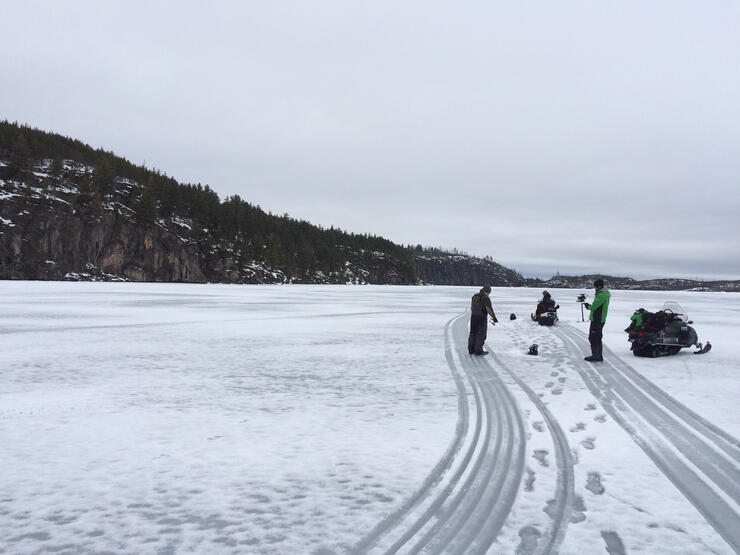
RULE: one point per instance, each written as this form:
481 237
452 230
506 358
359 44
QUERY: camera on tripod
582 299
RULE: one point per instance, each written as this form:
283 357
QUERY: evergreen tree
84 195
97 204
102 178
275 253
20 167
55 170
146 209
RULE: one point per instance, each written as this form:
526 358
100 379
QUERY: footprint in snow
540 456
614 545
61 519
551 508
539 426
549 384
562 380
530 537
554 374
557 391
589 442
529 480
38 536
590 406
601 418
579 510
593 483
578 427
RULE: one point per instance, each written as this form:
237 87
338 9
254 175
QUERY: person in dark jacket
480 309
546 302
598 310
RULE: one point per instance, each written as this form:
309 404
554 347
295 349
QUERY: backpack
477 305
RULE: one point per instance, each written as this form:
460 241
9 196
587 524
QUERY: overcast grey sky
571 136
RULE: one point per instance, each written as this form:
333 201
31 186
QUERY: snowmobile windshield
677 309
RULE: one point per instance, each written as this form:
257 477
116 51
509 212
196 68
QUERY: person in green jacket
598 310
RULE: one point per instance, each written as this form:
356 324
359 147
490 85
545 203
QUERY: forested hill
615 282
68 211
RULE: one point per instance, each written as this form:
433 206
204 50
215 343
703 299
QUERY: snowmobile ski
705 349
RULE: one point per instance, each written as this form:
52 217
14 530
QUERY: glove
587 305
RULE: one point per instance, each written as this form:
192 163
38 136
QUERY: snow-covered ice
147 418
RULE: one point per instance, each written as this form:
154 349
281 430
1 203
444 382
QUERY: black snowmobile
663 333
548 317
547 311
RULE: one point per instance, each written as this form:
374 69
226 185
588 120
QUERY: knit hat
599 283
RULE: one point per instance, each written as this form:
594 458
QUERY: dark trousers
595 333
478 331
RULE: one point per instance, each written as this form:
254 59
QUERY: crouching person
480 309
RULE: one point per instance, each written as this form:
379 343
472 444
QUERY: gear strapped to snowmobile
663 333
546 313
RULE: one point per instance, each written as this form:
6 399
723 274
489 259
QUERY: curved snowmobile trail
701 460
463 503
565 488
435 477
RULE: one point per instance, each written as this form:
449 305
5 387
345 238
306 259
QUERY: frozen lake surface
163 418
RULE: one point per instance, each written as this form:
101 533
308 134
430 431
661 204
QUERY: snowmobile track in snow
565 488
463 503
701 460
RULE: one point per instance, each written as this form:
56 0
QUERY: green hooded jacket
600 306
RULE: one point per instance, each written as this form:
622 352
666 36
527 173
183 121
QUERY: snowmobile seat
656 322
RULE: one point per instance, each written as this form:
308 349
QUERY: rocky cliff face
56 231
452 269
52 239
57 241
